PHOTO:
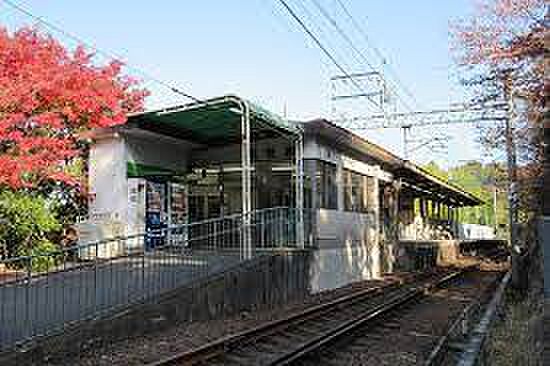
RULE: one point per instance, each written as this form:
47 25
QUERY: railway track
431 331
290 339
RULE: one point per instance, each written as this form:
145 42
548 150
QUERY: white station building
226 155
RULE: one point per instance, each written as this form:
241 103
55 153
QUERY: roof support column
377 265
246 241
299 152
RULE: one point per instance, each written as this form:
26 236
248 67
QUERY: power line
342 33
396 83
321 46
109 55
359 56
312 17
379 53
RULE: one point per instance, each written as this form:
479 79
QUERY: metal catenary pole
246 181
299 149
511 160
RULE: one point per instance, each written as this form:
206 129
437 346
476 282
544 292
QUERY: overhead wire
322 34
320 45
379 53
109 55
342 33
358 55
396 84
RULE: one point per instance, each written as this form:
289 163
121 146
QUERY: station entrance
232 158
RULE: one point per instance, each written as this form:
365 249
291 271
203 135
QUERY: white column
299 151
376 253
246 245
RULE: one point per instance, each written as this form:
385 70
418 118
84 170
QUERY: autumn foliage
502 31
48 98
503 43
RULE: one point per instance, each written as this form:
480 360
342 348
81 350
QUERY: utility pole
495 221
518 270
511 159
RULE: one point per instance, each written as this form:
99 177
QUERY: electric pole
511 159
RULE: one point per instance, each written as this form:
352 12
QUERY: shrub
43 256
26 222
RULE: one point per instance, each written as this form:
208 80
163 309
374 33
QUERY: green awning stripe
135 170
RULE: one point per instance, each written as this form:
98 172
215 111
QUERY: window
327 194
372 195
355 191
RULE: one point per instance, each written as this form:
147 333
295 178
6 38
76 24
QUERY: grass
518 338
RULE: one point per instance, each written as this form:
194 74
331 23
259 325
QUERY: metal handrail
115 272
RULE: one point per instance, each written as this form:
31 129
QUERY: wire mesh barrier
41 294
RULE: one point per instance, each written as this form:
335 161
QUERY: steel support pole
246 246
495 207
511 160
406 130
299 151
375 256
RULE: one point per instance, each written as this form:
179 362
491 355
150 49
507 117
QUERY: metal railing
41 294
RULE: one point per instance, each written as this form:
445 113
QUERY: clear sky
254 49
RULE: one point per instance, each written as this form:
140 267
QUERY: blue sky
252 48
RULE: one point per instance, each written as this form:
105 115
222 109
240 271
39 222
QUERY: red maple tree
48 98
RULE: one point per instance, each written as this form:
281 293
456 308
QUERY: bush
26 222
43 256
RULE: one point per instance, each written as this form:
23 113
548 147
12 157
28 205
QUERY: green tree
27 223
482 180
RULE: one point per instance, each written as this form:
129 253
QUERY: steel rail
439 352
350 326
221 346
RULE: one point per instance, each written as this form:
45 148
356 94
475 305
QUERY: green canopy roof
213 122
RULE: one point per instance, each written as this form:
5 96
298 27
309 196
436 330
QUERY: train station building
345 196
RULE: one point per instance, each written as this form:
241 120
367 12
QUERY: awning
439 189
213 122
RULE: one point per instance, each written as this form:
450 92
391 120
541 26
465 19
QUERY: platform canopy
416 178
228 120
433 187
214 122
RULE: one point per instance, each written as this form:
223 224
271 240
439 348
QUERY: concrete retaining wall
419 255
336 266
264 282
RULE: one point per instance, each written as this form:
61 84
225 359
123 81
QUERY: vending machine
178 214
136 213
158 209
156 214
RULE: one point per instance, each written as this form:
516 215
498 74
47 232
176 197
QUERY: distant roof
409 172
214 121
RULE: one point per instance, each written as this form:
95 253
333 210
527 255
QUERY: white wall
348 249
107 179
107 203
348 243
